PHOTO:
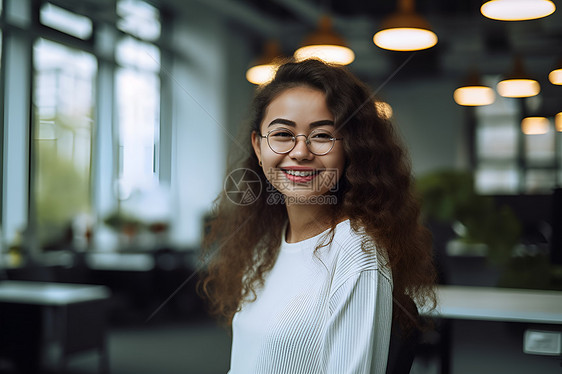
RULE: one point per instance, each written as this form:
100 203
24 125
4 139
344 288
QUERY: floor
198 347
188 347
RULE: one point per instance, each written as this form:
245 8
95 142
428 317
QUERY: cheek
270 162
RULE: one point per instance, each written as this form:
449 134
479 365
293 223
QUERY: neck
306 221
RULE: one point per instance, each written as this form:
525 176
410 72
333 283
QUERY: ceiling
466 38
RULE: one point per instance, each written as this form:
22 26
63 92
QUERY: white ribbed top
328 312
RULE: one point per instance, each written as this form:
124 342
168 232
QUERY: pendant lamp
517 10
534 125
555 76
473 92
558 122
265 67
326 45
405 30
518 83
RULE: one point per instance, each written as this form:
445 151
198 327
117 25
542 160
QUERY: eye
281 133
321 136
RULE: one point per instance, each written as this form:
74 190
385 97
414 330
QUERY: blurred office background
117 119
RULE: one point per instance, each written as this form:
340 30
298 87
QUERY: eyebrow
288 122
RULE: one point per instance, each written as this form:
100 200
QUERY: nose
300 151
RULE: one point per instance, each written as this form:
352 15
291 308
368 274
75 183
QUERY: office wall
198 123
210 98
430 122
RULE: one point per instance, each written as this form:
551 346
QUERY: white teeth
299 173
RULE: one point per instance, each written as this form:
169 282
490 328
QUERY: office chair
403 344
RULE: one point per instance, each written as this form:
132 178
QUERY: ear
256 144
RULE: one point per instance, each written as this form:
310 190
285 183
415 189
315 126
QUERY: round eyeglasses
318 142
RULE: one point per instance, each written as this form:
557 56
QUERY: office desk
499 304
35 316
482 328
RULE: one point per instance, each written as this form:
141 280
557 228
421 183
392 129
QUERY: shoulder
352 252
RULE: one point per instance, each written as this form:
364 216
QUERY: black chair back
403 344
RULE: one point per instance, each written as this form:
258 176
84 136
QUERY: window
63 105
508 161
139 19
65 21
138 97
63 178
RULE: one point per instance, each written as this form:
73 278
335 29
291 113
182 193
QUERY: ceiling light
518 83
517 10
325 45
405 30
265 67
474 93
558 122
555 76
534 125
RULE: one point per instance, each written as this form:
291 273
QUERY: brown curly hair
376 193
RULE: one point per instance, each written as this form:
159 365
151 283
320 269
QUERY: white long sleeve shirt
328 312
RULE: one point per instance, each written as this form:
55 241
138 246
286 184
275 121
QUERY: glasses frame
295 136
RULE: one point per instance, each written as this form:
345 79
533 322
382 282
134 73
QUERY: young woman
308 268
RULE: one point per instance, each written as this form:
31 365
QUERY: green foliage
62 190
449 196
121 221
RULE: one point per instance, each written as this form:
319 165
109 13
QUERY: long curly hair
375 192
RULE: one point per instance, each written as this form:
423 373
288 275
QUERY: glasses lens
281 140
321 142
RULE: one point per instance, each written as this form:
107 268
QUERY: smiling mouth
300 173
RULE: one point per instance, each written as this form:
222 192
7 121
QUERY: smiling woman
313 271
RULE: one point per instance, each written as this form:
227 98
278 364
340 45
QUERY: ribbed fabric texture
328 312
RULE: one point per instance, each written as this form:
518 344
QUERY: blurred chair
403 344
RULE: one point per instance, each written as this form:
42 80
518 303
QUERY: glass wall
509 161
75 65
138 88
138 96
64 106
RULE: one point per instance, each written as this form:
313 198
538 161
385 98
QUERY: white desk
498 304
43 293
474 326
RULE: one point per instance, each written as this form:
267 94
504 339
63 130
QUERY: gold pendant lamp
518 84
473 92
555 76
264 68
535 125
405 30
517 10
326 45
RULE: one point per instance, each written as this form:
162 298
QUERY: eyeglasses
318 142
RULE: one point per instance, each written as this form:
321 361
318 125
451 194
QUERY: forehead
301 104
